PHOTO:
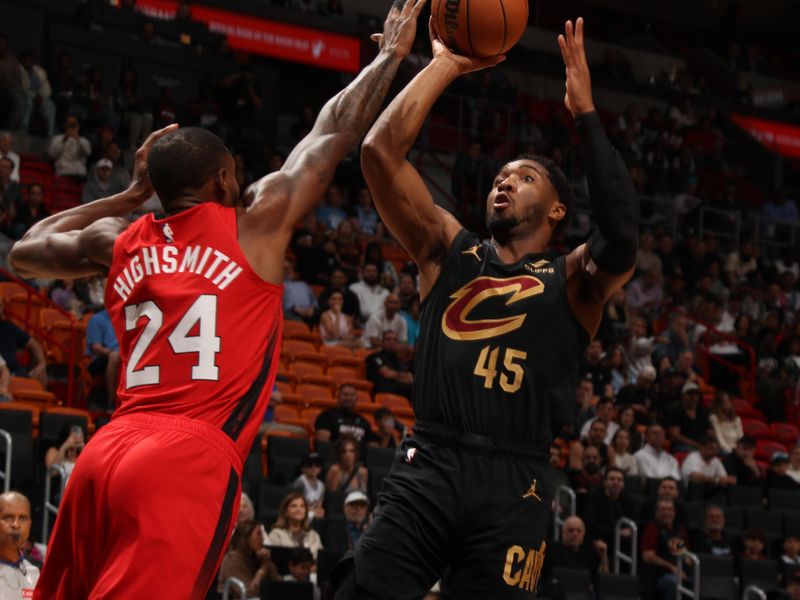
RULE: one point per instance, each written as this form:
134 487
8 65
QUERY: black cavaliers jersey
498 349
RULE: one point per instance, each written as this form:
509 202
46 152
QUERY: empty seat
783 500
717 577
286 447
786 433
617 587
745 495
761 573
767 521
392 400
572 584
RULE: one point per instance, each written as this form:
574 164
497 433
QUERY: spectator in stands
248 560
617 366
587 475
574 552
673 341
356 508
300 564
11 92
653 460
626 418
412 322
407 291
777 475
669 487
347 474
365 216
593 369
309 483
387 273
388 319
387 370
390 431
713 539
10 194
136 118
101 185
32 210
120 176
69 150
741 463
333 423
371 294
646 294
350 304
293 528
39 92
754 542
246 510
346 245
662 543
559 474
646 258
299 302
703 466
685 366
639 396
18 577
726 424
7 151
603 508
5 381
794 464
623 459
791 551
330 213
605 413
69 443
688 423
12 339
103 349
335 327
584 398
616 318
62 293
741 262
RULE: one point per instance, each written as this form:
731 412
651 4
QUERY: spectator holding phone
69 444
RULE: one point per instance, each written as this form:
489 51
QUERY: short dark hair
185 159
10 160
706 439
298 556
559 181
610 470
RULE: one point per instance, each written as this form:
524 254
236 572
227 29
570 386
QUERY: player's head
192 164
528 193
15 523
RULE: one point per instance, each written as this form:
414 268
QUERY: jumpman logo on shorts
531 493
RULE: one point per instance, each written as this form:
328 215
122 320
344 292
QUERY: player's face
15 523
522 198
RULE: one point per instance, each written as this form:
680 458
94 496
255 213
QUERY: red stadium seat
291 328
293 347
755 428
332 352
283 411
766 448
302 368
786 433
392 401
746 410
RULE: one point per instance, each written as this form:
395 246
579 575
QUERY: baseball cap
312 460
779 457
690 386
356 497
104 162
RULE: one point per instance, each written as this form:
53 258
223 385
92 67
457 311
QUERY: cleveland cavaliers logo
456 323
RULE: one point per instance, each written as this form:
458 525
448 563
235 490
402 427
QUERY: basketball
482 28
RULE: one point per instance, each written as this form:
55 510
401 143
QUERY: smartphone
76 430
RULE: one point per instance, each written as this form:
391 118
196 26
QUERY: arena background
701 98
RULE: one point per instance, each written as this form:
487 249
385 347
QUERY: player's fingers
159 134
408 6
418 7
579 31
569 33
376 37
562 43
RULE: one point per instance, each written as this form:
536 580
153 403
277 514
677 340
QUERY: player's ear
558 211
221 185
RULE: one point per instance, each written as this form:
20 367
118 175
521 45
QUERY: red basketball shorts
147 511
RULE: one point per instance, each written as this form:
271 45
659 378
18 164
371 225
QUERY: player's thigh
411 538
173 500
504 530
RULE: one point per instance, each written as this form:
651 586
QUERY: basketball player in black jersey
503 324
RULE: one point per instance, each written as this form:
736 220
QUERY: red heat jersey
199 332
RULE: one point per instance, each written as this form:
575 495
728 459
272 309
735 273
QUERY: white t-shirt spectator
378 324
694 463
16 159
70 154
611 429
370 298
656 465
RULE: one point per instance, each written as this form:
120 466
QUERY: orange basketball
481 28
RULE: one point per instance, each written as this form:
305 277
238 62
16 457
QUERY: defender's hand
578 98
463 64
140 181
400 27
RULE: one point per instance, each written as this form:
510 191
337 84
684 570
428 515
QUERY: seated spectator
356 515
726 424
407 291
309 483
293 528
331 424
129 104
347 474
741 463
603 508
662 543
365 216
618 367
387 370
32 210
791 551
793 587
574 552
18 577
588 476
69 150
102 347
248 560
387 274
350 305
330 213
667 488
5 381
639 395
335 327
605 413
713 539
646 293
62 293
794 464
390 431
674 340
685 366
246 510
388 319
101 185
299 303
10 190
753 544
560 477
69 443
346 247
593 369
703 466
623 459
300 564
626 419
596 438
652 460
371 294
12 338
687 423
6 151
777 475
584 398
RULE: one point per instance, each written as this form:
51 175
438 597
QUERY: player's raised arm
606 261
80 241
401 197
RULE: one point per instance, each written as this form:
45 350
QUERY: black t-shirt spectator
666 543
701 543
12 338
601 513
648 513
383 385
558 555
339 422
694 429
776 481
735 466
597 373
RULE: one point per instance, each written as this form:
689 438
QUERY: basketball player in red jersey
502 326
195 299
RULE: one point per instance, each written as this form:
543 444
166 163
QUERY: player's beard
502 228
